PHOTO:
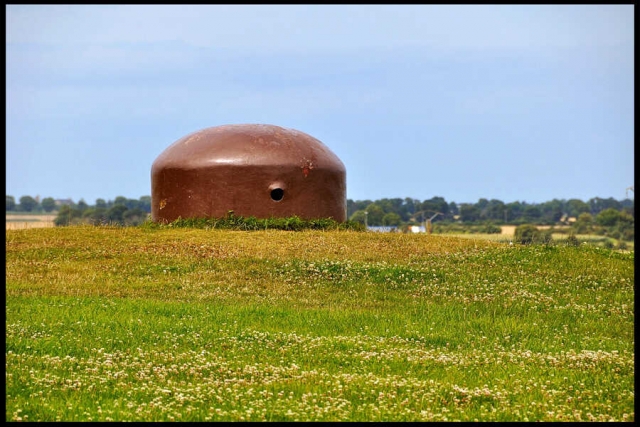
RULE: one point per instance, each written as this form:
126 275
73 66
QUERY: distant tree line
121 210
598 216
397 211
30 204
594 216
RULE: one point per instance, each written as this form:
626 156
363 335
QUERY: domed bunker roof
252 169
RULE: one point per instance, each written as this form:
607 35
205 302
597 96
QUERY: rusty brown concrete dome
251 169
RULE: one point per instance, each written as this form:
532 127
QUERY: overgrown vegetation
527 234
238 222
166 323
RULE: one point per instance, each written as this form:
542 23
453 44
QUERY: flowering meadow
109 323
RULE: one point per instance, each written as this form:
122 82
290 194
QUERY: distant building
383 228
60 202
417 229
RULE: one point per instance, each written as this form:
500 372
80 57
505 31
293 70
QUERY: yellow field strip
18 222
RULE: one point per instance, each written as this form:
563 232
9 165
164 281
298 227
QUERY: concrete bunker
251 169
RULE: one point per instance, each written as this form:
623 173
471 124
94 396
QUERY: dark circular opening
277 194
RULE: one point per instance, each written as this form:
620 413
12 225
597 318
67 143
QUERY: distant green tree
583 224
135 216
494 210
627 206
391 218
575 207
482 204
453 208
88 213
101 203
48 204
514 211
116 213
526 234
626 217
353 206
408 208
120 200
350 208
11 203
95 216
469 212
374 214
362 204
627 232
27 203
531 213
390 205
619 226
490 228
435 204
608 217
82 205
552 211
145 203
358 216
132 204
598 204
63 217
67 216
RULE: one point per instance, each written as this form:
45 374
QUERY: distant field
22 221
508 229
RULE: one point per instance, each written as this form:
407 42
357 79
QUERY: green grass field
141 324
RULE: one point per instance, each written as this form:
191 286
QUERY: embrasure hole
277 194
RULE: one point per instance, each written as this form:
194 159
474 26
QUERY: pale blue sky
516 103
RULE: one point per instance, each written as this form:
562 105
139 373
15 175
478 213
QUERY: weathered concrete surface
253 169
